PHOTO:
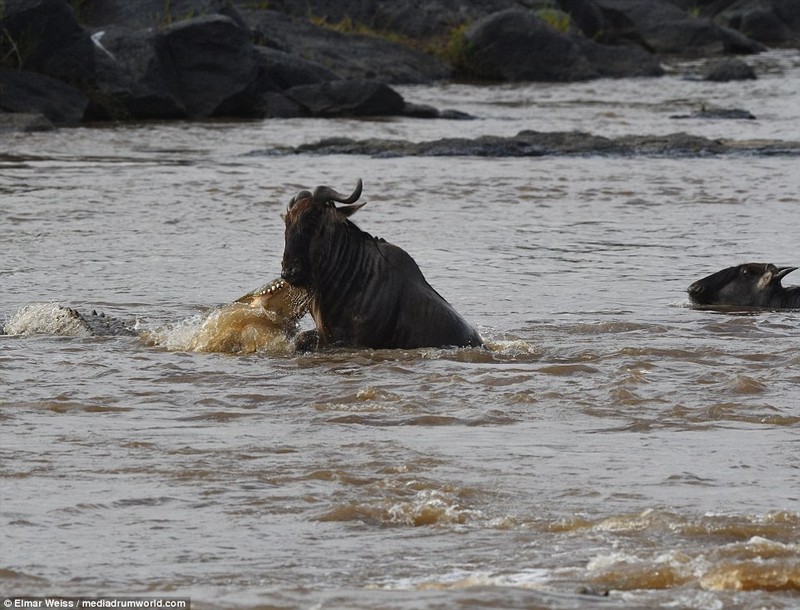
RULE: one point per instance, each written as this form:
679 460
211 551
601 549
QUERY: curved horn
783 272
324 194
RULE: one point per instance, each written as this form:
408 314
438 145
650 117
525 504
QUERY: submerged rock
728 69
535 144
717 113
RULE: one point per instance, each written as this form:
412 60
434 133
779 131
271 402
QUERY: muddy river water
613 448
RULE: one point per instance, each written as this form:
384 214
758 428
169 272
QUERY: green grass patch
556 19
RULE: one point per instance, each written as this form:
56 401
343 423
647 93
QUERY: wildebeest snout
292 271
695 290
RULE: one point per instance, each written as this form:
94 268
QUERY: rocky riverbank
74 62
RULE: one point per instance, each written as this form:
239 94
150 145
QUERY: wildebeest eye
745 271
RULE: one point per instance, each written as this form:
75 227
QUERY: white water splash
46 319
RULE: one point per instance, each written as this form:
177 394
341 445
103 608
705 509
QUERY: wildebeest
748 285
364 291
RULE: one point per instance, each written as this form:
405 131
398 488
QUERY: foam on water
46 319
236 328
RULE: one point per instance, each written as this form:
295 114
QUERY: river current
613 448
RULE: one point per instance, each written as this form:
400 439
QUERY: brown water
612 439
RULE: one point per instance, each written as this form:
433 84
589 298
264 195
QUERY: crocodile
272 310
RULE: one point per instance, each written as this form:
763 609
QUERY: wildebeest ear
298 197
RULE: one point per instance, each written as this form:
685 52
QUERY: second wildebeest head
364 291
747 285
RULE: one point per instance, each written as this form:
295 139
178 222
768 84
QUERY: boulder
727 69
717 113
433 17
44 36
587 17
212 66
619 61
348 98
417 20
131 81
350 56
425 111
761 21
196 68
284 71
24 121
788 11
662 27
764 25
29 92
515 45
278 106
99 14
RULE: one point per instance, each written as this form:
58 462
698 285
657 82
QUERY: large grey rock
348 98
413 19
351 56
772 23
24 121
131 80
587 16
728 69
212 66
29 92
195 68
139 14
44 36
284 70
619 61
515 45
663 27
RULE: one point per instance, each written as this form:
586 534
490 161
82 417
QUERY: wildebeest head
308 217
748 285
